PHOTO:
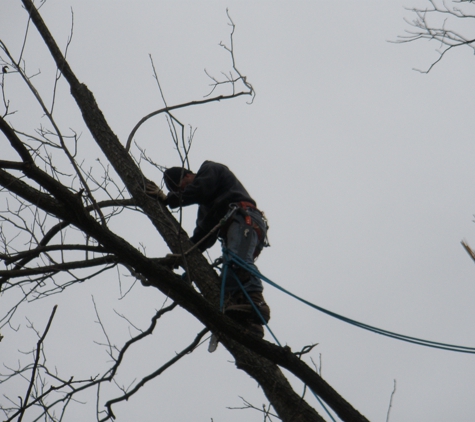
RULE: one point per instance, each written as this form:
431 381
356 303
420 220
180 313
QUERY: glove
171 260
152 189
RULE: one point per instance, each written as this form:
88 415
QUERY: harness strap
243 205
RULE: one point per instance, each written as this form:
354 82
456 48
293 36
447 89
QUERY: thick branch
13 165
15 142
55 268
39 176
42 200
33 253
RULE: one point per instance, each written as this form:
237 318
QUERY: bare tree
448 23
56 231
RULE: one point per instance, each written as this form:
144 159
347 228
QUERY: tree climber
215 189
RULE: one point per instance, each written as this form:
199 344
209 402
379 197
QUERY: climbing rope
226 262
231 257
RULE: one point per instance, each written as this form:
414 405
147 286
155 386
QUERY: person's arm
198 234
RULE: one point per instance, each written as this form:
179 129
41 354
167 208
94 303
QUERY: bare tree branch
437 23
391 401
187 350
35 366
65 266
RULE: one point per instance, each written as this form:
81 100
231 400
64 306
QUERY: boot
240 309
255 329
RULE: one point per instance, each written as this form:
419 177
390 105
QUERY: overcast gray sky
363 166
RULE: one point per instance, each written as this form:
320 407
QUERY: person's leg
242 239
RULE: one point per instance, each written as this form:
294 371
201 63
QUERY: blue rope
223 285
244 265
256 309
322 404
232 257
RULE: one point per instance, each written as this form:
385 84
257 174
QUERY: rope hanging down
233 258
227 260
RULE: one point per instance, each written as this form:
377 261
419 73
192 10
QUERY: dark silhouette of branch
33 253
468 249
13 165
187 350
176 107
76 386
139 337
266 411
228 80
391 401
57 131
437 23
231 79
305 350
55 268
35 365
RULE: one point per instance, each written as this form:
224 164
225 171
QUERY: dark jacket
213 189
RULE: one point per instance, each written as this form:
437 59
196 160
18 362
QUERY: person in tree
216 190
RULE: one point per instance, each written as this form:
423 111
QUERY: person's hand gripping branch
153 190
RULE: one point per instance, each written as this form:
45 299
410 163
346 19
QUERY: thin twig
391 401
35 366
153 375
468 249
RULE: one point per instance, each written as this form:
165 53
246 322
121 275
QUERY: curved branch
163 368
175 107
143 334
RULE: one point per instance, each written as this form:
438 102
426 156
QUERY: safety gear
243 207
248 223
251 316
152 189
